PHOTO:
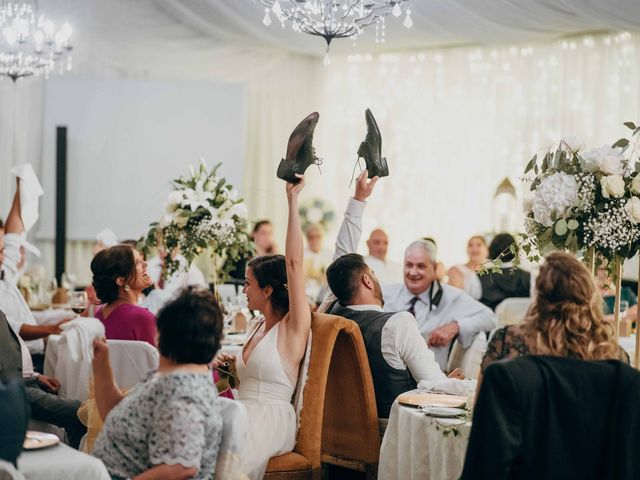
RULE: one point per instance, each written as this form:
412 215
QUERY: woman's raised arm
299 322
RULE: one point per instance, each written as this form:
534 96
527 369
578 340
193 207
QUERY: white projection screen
126 139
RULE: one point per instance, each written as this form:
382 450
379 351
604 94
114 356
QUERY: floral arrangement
203 212
584 199
315 212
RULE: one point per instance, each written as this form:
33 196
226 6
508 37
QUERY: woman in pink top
119 276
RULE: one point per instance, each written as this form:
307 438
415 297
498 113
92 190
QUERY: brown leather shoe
300 151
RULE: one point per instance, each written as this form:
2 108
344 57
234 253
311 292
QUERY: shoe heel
385 167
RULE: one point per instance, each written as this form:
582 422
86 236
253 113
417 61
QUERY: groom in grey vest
398 355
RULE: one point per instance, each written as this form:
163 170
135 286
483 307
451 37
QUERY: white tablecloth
52 316
629 346
61 463
415 447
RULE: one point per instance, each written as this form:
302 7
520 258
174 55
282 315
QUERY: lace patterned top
511 342
172 418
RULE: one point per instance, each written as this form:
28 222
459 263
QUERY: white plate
445 412
36 440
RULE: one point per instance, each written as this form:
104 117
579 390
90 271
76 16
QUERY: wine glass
50 288
78 302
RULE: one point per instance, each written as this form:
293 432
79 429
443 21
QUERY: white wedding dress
266 390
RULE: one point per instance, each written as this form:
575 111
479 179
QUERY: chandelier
30 44
331 19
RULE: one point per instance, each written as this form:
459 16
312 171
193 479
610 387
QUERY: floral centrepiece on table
584 199
203 213
316 212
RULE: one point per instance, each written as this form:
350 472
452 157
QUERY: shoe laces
316 160
353 172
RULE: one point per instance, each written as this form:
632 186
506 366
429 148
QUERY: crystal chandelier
331 19
30 44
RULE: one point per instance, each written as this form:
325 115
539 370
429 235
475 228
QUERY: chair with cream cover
468 359
512 311
305 459
350 431
130 361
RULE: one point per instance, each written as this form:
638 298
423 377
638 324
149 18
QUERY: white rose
573 143
632 207
612 186
314 215
181 219
166 220
605 159
635 184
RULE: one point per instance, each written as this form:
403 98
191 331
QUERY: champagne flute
78 302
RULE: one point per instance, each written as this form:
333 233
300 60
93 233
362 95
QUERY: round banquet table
416 446
61 463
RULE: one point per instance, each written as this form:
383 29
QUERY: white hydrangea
553 197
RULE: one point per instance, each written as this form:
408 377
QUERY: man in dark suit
511 282
46 406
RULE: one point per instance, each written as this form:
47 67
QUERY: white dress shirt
12 303
12 244
403 347
455 306
385 270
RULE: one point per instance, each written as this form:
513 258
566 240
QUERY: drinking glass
78 302
50 289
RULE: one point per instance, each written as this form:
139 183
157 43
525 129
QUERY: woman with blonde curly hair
565 319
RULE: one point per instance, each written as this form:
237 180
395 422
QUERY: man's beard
377 291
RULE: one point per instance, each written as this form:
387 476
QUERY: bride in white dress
270 360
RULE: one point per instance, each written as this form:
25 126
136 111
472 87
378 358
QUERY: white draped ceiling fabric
463 98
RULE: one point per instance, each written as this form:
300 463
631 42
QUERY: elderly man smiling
442 312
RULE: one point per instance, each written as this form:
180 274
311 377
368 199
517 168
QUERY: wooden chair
350 431
304 461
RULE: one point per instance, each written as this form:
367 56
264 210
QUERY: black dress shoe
371 149
300 151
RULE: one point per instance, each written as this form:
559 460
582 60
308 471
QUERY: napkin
30 190
452 386
78 336
107 237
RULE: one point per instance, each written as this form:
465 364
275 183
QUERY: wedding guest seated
316 261
398 355
464 276
555 418
565 319
608 293
119 276
511 281
13 428
46 406
12 303
166 288
169 425
386 271
269 363
262 236
443 312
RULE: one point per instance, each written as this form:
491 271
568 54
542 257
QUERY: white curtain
456 121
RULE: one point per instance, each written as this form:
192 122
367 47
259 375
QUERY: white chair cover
235 429
9 472
130 361
511 311
468 360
